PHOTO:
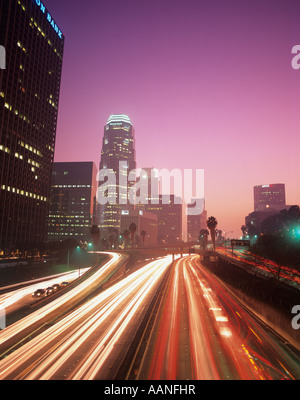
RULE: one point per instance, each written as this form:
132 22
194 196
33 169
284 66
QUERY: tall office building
170 221
29 98
146 226
269 197
169 217
268 200
167 208
118 146
196 219
72 200
148 185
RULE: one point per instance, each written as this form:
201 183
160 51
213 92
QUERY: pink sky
206 85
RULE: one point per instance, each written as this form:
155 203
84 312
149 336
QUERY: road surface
15 299
164 321
85 343
202 332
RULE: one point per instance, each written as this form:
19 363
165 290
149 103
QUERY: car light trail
198 331
289 275
7 299
225 341
96 359
50 308
44 356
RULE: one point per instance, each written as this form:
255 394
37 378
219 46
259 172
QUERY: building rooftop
118 118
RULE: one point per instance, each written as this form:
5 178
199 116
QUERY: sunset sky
207 85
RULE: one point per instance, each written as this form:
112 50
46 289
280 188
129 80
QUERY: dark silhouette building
270 196
29 99
269 200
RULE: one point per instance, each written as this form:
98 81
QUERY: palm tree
126 234
244 230
212 224
143 234
132 230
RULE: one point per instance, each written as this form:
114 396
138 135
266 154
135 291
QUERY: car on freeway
49 290
39 293
55 286
64 284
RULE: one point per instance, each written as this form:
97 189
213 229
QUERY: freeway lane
51 311
89 340
202 332
15 299
199 331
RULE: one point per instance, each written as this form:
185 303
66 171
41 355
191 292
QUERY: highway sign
235 242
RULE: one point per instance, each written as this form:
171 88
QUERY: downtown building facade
146 227
271 196
29 100
118 146
269 200
165 211
168 208
196 219
169 213
72 201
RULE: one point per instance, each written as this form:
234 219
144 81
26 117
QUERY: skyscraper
148 186
118 146
268 200
72 200
270 196
167 208
29 98
196 220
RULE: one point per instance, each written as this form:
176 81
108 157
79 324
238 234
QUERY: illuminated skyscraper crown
118 118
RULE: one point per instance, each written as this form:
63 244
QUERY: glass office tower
72 201
29 98
118 146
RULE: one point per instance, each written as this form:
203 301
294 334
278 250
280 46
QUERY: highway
53 309
164 321
15 299
202 332
83 344
287 275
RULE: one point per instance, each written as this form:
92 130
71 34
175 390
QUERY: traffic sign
235 242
